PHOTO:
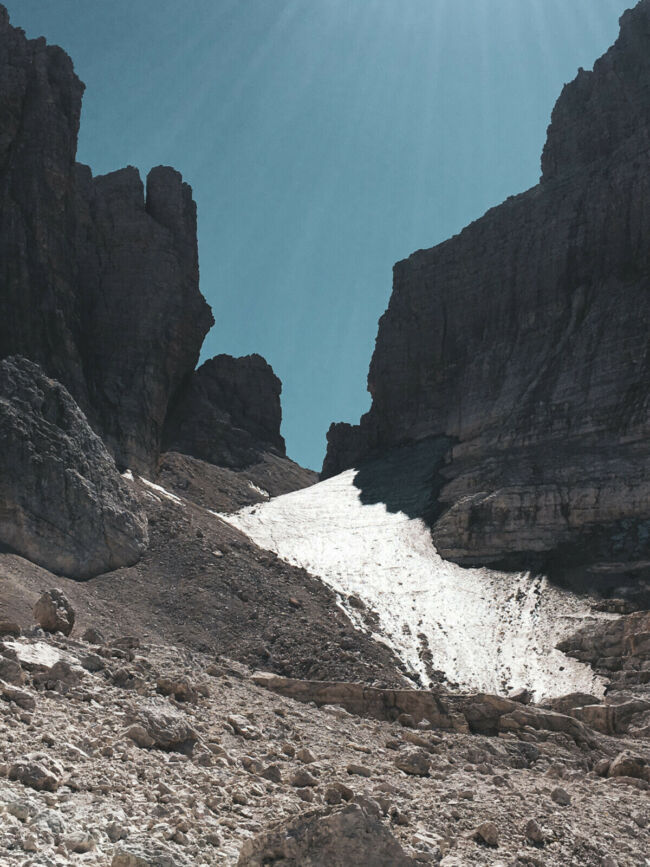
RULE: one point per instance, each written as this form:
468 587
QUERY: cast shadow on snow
409 479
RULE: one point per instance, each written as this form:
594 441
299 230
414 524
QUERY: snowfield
486 630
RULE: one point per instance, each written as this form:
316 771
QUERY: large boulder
327 838
63 503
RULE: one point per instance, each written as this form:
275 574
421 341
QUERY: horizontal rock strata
524 340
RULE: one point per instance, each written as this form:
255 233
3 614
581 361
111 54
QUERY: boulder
327 838
63 504
54 613
162 727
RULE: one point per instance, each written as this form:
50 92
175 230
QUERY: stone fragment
629 764
414 762
561 796
534 833
142 855
302 778
178 687
359 770
11 671
33 774
488 833
54 613
20 697
162 728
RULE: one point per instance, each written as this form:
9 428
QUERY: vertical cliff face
99 284
525 341
144 318
40 104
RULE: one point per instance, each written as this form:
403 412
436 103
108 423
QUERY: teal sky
324 140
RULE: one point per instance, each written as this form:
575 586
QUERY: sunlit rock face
63 503
98 282
524 340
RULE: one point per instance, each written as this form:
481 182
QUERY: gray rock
561 796
163 728
228 412
139 855
414 762
33 774
327 838
54 613
487 833
63 504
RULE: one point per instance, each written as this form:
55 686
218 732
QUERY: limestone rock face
63 504
228 412
98 283
524 340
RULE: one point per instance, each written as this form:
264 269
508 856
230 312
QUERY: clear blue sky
324 140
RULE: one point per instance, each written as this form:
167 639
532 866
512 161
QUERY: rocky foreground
118 752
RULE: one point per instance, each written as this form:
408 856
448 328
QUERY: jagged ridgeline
99 287
521 347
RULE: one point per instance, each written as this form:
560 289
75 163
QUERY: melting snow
162 491
259 490
486 630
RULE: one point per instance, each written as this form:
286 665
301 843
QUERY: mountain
519 349
99 287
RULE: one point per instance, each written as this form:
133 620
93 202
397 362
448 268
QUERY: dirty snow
162 491
258 490
486 630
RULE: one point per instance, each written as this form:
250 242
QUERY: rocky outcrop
63 504
228 413
523 340
99 284
144 318
479 713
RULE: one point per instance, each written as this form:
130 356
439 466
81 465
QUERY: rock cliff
523 342
99 283
228 412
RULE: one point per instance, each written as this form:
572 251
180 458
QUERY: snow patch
162 491
258 490
486 630
128 475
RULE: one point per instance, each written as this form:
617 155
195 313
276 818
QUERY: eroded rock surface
522 341
99 284
228 412
63 504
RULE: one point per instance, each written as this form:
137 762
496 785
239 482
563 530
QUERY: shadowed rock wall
524 339
98 284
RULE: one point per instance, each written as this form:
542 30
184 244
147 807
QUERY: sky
324 141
